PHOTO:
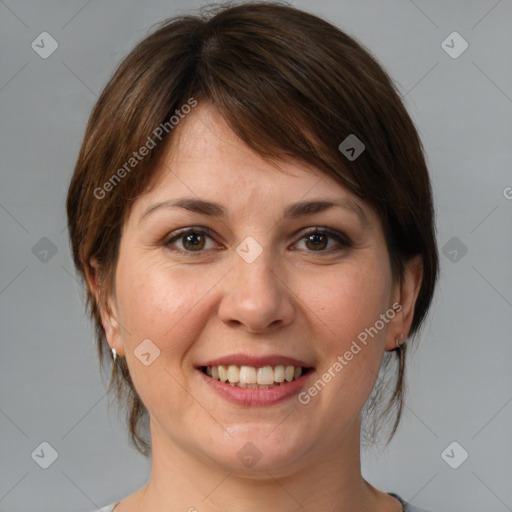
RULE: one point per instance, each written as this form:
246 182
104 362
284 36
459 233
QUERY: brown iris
315 239
195 241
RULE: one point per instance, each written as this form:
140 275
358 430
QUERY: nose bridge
259 274
255 294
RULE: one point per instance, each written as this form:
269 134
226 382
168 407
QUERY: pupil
315 239
193 240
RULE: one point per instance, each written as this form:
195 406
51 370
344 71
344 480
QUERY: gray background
460 383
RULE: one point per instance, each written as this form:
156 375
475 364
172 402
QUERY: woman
252 216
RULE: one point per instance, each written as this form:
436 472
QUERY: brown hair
288 84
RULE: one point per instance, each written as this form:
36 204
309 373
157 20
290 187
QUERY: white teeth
223 373
279 373
248 375
233 373
264 377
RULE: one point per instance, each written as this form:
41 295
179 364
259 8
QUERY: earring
114 354
399 340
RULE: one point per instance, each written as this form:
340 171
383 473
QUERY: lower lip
257 397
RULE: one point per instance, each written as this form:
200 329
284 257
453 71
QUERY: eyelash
342 239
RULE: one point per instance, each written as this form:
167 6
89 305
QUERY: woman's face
269 278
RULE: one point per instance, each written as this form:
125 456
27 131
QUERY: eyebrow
292 211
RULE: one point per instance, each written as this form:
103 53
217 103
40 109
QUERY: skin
295 299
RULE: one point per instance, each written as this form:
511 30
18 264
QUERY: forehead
205 160
205 141
206 152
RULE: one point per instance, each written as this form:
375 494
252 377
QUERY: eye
317 240
197 240
190 239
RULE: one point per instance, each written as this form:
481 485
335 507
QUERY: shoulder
408 507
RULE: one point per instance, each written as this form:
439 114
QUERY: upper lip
256 361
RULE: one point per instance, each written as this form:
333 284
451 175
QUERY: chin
256 449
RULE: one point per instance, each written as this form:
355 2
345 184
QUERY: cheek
163 303
349 300
168 306
346 306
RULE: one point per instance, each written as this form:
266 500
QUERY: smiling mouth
265 377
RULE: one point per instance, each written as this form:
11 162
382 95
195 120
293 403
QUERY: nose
256 296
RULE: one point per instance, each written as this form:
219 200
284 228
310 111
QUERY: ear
107 307
405 295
